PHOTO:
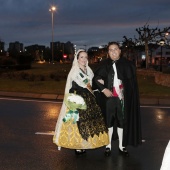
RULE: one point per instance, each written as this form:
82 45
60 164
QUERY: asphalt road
26 128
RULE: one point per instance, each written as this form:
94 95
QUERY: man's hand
107 93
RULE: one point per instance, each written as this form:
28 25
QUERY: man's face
114 52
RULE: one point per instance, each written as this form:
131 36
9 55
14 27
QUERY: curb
155 101
32 95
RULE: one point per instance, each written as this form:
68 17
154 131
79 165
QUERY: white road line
35 100
159 106
45 133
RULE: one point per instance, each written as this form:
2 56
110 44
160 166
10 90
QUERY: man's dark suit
126 72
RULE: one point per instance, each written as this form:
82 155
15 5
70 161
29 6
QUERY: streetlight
161 43
52 10
167 38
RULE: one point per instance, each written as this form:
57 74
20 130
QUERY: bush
57 78
23 62
31 77
52 75
42 78
24 76
166 70
7 62
11 75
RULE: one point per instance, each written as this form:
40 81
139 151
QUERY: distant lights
74 48
101 46
161 42
167 33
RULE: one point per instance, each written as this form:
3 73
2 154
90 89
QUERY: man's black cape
126 71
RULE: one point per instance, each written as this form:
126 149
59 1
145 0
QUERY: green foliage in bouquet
73 102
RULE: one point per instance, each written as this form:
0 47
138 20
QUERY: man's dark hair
113 43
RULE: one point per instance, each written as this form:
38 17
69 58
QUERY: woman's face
82 58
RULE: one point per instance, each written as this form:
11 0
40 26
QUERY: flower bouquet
73 102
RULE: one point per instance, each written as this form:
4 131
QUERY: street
26 128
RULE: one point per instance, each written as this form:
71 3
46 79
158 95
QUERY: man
116 80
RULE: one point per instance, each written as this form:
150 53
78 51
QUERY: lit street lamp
161 43
52 10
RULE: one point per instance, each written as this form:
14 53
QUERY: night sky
90 22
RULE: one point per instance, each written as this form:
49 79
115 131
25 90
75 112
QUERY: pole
63 49
52 43
161 60
52 10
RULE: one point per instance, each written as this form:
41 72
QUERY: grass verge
51 79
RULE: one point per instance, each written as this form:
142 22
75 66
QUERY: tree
128 47
147 35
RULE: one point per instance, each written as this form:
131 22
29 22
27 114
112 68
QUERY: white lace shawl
72 76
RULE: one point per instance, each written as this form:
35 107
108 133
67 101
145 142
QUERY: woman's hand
101 81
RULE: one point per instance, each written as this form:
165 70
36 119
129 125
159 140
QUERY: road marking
34 100
159 106
45 133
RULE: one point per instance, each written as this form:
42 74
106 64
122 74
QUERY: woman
89 131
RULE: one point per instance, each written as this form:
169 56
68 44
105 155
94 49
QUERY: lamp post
52 10
161 43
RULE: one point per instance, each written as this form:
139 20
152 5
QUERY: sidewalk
143 100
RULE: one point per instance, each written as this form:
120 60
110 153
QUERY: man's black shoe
124 152
107 152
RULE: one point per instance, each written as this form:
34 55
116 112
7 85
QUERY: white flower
76 99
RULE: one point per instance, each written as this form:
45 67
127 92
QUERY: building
96 54
15 47
2 50
62 51
161 53
36 51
